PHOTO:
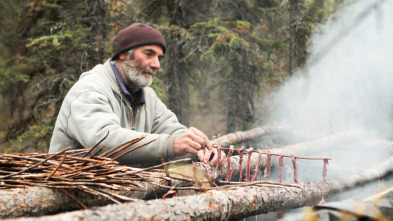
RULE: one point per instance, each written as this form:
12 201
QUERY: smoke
348 80
346 84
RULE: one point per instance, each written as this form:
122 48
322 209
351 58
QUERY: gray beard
134 75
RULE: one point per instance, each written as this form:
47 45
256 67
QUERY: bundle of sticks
84 169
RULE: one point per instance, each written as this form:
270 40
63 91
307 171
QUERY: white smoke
346 84
348 80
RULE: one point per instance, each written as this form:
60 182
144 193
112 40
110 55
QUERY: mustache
150 70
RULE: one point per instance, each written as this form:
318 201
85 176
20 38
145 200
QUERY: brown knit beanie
135 35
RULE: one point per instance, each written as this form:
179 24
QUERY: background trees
223 56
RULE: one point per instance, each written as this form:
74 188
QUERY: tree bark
38 201
293 11
95 19
229 203
178 73
177 79
243 136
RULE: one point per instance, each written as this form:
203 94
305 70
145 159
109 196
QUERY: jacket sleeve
166 122
91 117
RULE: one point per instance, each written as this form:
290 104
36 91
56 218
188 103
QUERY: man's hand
204 156
196 142
192 141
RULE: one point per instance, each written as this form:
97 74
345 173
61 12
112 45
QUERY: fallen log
228 203
243 136
319 144
38 201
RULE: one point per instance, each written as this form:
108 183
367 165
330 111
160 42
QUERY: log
243 136
228 203
319 144
37 201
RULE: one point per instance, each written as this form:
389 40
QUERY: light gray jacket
96 105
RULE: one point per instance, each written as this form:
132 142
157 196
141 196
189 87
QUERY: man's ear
123 56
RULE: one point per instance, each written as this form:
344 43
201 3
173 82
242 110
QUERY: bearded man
115 97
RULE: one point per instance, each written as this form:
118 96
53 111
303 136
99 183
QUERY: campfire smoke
347 84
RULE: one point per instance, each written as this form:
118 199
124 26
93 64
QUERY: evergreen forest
223 57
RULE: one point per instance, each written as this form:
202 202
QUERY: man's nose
155 64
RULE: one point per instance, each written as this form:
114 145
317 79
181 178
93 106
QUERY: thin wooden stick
122 147
72 197
157 166
35 165
135 148
91 149
274 154
57 167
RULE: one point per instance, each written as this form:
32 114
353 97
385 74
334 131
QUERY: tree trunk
293 10
229 203
240 88
177 76
178 95
95 19
244 136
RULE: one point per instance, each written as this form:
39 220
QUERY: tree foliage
222 56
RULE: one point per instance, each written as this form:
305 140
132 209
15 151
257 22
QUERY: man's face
141 65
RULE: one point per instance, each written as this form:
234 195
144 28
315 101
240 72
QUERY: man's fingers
208 153
192 141
208 144
204 155
189 149
200 134
194 136
201 155
215 159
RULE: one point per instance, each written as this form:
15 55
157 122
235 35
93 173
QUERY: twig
57 167
91 149
72 197
231 184
274 154
123 146
35 165
135 148
153 167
